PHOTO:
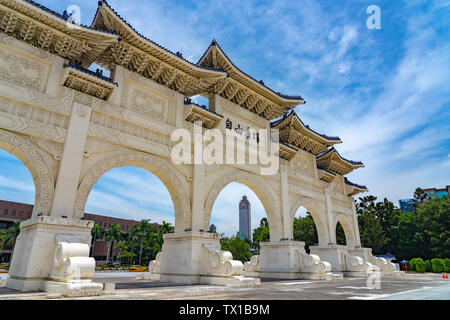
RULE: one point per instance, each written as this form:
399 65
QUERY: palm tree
140 232
166 227
97 233
112 235
9 236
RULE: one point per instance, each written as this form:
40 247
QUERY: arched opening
340 235
263 212
312 228
238 215
17 196
132 209
345 234
305 228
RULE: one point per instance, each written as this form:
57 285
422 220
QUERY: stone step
241 281
337 276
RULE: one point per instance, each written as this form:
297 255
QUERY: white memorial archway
70 125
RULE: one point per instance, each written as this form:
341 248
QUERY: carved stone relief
22 70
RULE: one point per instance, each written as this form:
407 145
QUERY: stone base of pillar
33 257
382 265
80 288
343 261
196 258
287 260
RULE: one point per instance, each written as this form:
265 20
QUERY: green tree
166 227
238 247
340 235
305 230
96 233
419 197
433 220
8 237
261 234
372 234
139 233
112 235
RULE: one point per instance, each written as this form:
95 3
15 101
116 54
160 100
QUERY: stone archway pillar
355 224
284 197
198 197
38 265
71 161
331 231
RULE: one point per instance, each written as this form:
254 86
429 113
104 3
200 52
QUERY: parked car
136 268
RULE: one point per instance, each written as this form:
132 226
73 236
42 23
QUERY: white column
332 233
198 197
179 113
284 197
215 103
118 76
55 76
71 161
355 224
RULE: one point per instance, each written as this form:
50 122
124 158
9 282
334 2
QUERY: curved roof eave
287 98
357 164
329 139
60 18
139 36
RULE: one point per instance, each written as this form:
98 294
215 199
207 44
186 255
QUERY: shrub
428 266
419 265
412 264
446 265
437 265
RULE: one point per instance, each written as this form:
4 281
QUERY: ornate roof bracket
334 162
43 28
294 132
194 112
352 189
92 83
139 54
287 152
325 175
274 104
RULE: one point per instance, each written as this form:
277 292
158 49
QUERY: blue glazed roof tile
277 122
356 163
188 101
354 184
97 74
284 96
100 3
64 16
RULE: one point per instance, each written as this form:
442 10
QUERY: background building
406 205
245 219
14 211
433 193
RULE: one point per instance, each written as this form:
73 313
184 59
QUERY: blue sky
385 93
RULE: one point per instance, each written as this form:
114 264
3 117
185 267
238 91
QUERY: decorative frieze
148 104
23 70
32 127
31 113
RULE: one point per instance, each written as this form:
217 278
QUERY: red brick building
14 211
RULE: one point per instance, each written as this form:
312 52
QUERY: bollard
109 288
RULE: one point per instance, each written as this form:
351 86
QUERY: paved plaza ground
409 287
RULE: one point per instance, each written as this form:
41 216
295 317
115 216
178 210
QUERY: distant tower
244 218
